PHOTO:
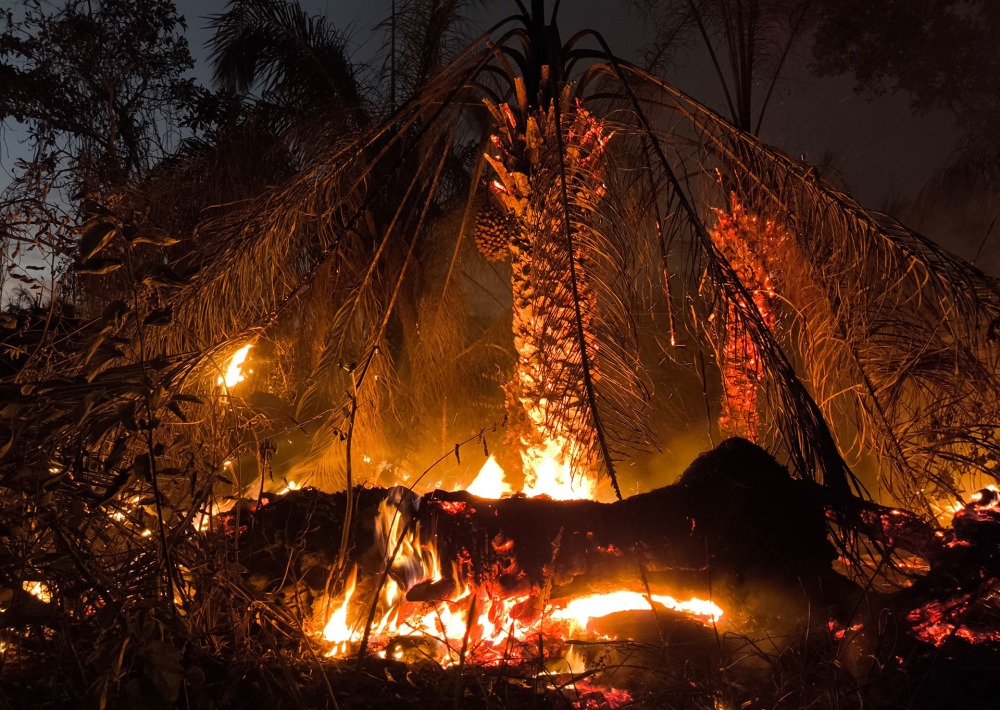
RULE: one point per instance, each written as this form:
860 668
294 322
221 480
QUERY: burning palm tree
595 178
592 170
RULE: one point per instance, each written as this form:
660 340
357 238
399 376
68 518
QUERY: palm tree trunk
549 415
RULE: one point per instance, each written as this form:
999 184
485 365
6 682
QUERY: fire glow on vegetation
234 372
38 590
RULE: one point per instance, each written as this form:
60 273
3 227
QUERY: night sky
884 152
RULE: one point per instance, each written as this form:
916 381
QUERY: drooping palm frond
276 47
305 233
884 323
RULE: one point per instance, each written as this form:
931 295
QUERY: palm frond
276 46
886 320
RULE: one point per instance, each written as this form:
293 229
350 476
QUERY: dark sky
882 150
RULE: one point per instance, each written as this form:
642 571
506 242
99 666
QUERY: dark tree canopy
97 82
942 53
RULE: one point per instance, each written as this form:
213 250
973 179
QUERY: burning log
736 542
735 513
735 533
734 521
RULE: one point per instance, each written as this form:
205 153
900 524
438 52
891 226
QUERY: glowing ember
490 482
592 697
492 628
939 621
581 610
38 590
234 374
748 243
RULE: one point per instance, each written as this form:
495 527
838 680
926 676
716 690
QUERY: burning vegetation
303 445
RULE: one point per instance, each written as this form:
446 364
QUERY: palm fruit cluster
494 231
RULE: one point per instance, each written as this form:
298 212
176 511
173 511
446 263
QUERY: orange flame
581 610
39 590
548 472
465 615
462 616
234 373
337 631
490 481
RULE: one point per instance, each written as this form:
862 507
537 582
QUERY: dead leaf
163 667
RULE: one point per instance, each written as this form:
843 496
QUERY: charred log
734 520
735 527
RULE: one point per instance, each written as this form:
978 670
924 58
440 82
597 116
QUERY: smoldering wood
735 514
736 527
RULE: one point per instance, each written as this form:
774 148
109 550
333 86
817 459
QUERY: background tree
943 55
100 88
748 43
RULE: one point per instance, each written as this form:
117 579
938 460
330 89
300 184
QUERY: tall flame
337 631
490 482
547 471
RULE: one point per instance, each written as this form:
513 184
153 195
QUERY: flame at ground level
547 472
487 628
581 610
429 601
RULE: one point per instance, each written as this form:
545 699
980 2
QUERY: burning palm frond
571 326
895 336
